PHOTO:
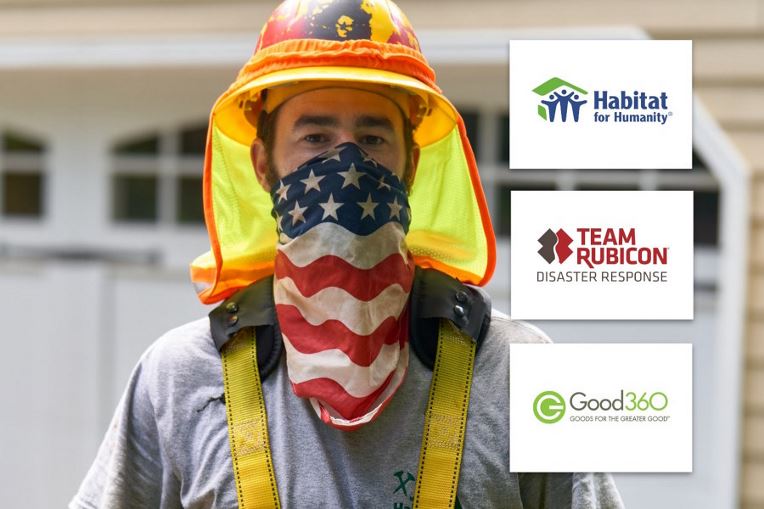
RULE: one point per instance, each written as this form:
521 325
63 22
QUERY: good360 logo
603 249
558 97
550 407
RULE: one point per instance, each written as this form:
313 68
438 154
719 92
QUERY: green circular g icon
549 407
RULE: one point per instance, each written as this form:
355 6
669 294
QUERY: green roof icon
554 84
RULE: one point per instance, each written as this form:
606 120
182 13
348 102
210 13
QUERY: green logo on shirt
406 484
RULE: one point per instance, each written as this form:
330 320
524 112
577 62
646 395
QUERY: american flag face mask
342 280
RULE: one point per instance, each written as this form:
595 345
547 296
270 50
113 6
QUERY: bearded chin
343 275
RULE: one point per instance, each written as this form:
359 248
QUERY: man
350 364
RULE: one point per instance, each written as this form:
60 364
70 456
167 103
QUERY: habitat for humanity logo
635 106
603 248
550 407
558 93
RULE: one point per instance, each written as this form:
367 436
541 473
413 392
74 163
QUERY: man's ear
259 156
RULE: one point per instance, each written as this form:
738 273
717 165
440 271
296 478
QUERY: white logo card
601 255
600 104
600 407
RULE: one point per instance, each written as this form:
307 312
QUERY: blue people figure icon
576 106
563 98
551 106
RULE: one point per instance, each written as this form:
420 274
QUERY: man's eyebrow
331 121
374 121
316 120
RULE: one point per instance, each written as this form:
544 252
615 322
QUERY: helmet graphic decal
338 20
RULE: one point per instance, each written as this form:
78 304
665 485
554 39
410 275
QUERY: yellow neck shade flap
448 228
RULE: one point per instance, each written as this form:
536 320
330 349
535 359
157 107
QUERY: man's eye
315 138
372 140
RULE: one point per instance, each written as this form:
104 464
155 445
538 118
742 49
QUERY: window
141 146
157 177
135 198
705 214
15 143
193 140
22 194
706 209
504 216
472 126
21 176
190 209
503 144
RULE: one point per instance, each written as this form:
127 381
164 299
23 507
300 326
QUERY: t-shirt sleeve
128 470
569 491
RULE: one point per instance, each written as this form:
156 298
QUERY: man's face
316 121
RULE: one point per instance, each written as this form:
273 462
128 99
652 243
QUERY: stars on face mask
297 213
367 159
312 182
368 207
342 186
395 209
282 191
330 208
333 154
351 177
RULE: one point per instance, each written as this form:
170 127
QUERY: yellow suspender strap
248 424
442 441
445 420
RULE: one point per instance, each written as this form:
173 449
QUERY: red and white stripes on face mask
342 281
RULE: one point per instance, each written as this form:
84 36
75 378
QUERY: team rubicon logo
555 246
600 246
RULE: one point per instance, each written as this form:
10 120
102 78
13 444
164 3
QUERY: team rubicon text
602 255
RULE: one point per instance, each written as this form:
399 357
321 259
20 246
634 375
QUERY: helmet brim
230 116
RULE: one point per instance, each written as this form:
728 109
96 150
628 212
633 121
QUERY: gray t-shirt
167 445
